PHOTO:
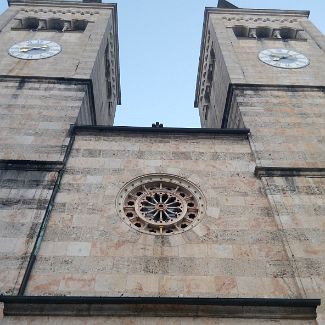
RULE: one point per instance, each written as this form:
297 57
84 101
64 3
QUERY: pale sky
159 53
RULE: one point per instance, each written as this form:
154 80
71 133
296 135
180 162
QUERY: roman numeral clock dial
283 58
34 49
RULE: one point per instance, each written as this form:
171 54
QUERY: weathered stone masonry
257 254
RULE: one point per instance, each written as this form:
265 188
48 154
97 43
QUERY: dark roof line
226 4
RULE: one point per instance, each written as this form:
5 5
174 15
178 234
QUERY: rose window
160 204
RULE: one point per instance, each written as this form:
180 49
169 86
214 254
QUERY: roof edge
226 4
60 3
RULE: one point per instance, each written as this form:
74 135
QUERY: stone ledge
82 129
260 308
288 172
31 165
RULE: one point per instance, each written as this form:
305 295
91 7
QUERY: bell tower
64 43
263 69
59 68
252 49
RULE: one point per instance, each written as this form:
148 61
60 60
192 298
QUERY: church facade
132 225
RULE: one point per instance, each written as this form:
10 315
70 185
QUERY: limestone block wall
287 125
236 250
36 117
24 197
298 204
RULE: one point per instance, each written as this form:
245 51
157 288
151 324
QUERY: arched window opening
240 31
263 32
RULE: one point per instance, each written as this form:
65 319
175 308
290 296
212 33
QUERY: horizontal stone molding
244 11
288 172
261 308
232 88
31 165
63 3
79 129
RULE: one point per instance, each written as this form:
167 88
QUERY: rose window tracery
161 204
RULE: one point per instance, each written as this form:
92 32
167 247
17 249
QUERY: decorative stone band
288 171
249 308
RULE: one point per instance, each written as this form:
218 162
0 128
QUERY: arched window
240 31
263 32
30 23
51 24
288 33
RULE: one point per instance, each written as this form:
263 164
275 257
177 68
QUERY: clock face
283 58
34 49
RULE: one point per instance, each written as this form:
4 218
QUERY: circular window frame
161 204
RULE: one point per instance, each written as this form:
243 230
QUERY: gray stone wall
105 103
79 49
36 117
240 55
24 197
237 59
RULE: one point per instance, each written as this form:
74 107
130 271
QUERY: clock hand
26 49
278 58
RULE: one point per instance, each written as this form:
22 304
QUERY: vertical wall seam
46 218
285 240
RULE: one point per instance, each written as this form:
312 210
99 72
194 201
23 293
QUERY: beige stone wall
24 196
36 117
287 125
236 251
298 204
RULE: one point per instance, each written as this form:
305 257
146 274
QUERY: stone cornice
60 3
277 12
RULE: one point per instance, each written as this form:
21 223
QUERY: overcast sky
159 52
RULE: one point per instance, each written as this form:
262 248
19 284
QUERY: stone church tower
134 225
